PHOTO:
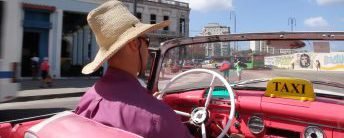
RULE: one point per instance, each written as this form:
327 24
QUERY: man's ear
133 45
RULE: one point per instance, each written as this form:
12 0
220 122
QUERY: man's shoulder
167 124
164 114
89 95
160 105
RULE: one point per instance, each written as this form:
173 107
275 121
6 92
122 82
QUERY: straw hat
114 26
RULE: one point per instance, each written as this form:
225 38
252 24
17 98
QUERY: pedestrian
117 99
225 68
317 65
34 67
46 78
239 65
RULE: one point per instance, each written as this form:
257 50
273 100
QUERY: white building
218 49
262 47
288 51
58 29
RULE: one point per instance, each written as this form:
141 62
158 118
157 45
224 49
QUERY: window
139 16
182 25
153 18
166 18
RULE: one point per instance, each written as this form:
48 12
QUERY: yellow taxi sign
291 88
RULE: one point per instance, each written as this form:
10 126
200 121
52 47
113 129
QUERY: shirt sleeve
85 102
169 127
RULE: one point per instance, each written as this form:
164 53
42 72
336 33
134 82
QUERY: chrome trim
319 91
256 117
304 122
304 132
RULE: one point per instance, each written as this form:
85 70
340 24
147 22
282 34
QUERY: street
19 110
65 97
204 79
33 100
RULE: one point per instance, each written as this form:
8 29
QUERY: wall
283 61
333 61
160 12
11 36
66 5
306 61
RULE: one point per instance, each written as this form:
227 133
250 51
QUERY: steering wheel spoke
204 133
182 113
211 89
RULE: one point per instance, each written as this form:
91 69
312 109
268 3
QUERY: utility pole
232 13
232 16
135 7
292 23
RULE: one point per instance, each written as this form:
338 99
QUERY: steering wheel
199 115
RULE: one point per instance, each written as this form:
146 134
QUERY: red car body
282 117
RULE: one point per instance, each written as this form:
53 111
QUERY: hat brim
127 36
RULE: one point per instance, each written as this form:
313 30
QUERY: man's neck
131 72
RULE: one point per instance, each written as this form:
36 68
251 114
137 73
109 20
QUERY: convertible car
301 97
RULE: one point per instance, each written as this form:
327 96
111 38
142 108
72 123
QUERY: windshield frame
179 42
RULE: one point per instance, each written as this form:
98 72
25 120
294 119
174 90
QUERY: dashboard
260 116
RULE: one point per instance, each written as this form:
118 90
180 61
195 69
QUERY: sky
267 15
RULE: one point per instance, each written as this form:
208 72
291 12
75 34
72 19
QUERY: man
34 67
225 68
117 99
238 66
317 65
46 78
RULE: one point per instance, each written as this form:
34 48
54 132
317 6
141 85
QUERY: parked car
187 65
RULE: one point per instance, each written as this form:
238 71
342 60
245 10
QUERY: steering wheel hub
199 115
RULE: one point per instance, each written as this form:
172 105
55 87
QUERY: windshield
241 62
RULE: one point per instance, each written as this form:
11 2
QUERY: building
154 11
287 51
261 47
276 47
321 47
218 49
58 29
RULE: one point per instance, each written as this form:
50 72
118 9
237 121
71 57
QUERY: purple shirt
118 100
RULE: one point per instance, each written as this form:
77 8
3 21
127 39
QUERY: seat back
68 124
5 130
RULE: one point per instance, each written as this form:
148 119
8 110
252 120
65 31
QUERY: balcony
164 33
171 2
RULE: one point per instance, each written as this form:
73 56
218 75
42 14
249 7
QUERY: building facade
58 29
218 49
263 47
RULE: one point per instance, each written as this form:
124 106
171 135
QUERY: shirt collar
117 74
119 79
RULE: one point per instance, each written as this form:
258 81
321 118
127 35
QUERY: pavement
71 87
75 87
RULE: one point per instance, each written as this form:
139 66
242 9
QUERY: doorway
30 49
75 41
